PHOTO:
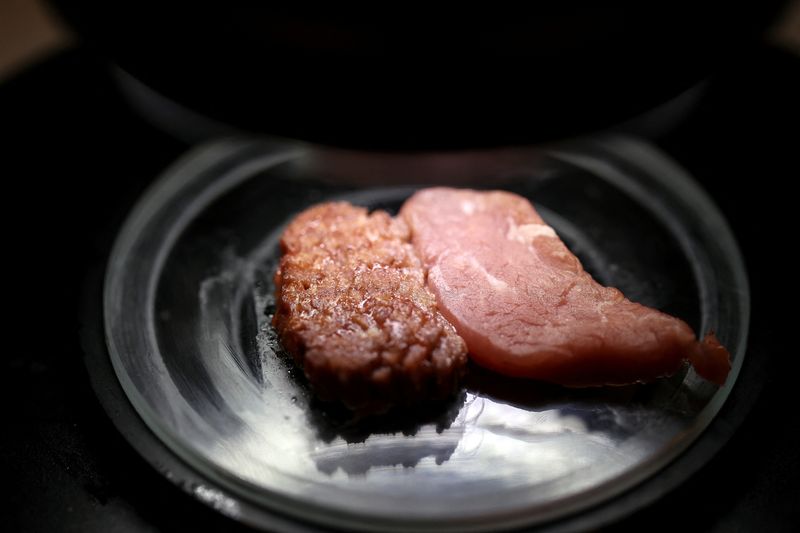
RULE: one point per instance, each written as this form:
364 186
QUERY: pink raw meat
525 306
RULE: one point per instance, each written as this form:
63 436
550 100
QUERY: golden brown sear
355 313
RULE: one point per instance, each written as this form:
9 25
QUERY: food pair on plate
382 311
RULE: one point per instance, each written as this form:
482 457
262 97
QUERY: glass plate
188 298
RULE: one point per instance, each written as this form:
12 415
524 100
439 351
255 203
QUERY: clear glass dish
188 294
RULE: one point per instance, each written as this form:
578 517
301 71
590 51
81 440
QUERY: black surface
414 78
74 158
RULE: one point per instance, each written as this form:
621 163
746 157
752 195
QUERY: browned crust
354 311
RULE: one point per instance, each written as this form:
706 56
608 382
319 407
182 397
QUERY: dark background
75 157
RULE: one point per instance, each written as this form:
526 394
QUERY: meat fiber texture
355 313
525 306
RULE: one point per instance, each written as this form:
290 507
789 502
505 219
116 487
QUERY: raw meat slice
354 311
525 306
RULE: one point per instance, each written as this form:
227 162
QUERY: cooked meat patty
354 311
526 307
